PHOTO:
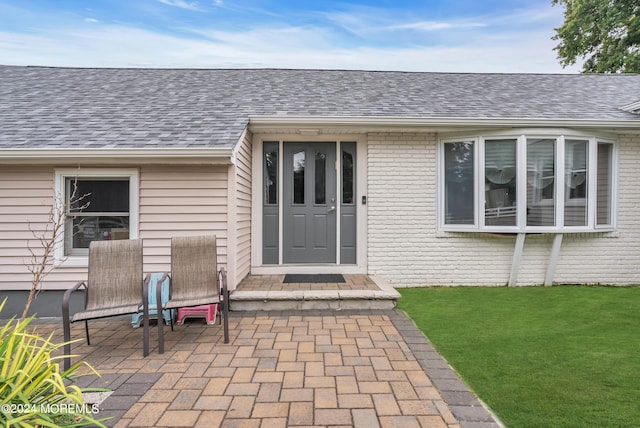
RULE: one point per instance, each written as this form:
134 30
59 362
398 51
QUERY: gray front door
309 203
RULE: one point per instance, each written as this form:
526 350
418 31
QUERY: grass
540 357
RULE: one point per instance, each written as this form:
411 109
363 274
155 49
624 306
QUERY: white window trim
61 174
559 193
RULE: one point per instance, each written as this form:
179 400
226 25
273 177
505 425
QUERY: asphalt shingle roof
44 107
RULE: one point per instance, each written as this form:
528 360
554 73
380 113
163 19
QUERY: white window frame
521 173
61 176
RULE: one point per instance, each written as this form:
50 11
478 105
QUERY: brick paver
279 369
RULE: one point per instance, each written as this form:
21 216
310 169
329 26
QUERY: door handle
332 209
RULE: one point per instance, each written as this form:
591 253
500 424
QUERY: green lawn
540 357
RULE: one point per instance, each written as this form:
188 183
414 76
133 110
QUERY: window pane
459 198
500 182
102 228
271 174
347 178
541 182
576 176
298 177
321 178
91 201
99 196
604 192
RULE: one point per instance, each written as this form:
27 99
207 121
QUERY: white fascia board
123 155
372 122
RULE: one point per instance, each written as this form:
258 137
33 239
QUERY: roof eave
431 123
108 156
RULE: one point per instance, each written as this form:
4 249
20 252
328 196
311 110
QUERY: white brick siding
407 250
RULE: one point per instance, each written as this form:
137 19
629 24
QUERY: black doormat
315 279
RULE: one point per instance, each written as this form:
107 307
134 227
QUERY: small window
348 182
99 204
604 185
576 175
271 174
298 178
321 179
541 173
500 182
98 211
459 200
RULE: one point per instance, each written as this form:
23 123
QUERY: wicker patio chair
115 286
195 279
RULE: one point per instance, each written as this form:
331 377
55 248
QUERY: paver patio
299 369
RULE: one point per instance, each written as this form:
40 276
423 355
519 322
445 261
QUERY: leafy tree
605 33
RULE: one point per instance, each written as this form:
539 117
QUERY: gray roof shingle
43 107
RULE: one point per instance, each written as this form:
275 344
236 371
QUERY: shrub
33 390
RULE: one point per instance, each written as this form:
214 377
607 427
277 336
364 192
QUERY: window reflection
500 182
271 176
321 178
541 182
347 178
575 182
459 183
298 177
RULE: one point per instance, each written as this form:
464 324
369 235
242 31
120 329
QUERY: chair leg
145 316
160 320
86 331
66 327
225 311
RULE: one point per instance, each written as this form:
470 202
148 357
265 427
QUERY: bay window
527 183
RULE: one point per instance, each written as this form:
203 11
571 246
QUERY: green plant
33 390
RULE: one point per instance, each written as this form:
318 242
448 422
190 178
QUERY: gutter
372 122
67 156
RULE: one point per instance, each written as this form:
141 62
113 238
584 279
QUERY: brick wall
407 250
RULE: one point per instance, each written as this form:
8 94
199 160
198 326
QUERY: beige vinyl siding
26 200
242 218
181 201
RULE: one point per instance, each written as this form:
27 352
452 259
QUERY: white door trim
257 267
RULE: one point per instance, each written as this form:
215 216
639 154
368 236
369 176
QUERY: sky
501 36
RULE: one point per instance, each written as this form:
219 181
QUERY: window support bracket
517 257
553 259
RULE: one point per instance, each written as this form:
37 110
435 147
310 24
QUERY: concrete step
278 300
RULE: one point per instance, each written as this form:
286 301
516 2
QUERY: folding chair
195 279
115 286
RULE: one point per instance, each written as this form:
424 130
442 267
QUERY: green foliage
605 33
33 390
539 356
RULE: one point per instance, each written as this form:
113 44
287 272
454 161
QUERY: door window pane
500 182
541 182
298 177
321 179
271 173
604 190
347 178
576 175
459 200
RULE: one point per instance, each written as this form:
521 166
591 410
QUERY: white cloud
435 26
474 48
181 4
295 47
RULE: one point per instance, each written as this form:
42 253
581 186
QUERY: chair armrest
222 281
67 296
